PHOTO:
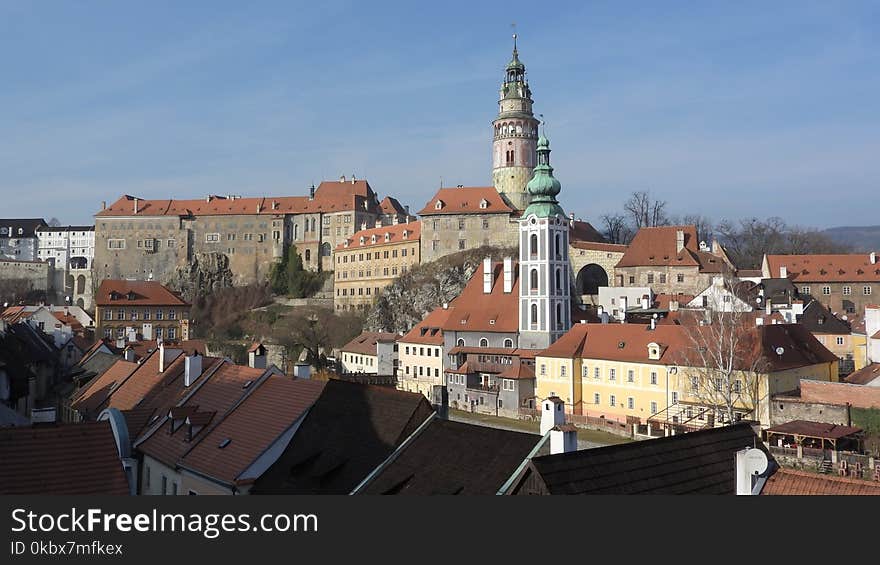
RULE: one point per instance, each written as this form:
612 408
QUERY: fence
612 425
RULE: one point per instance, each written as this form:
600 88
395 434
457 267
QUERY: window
695 383
484 342
839 340
534 316
172 333
866 290
631 403
674 397
653 408
485 224
679 277
650 278
612 374
630 376
147 479
597 373
596 398
826 290
562 371
461 223
164 484
662 278
632 279
585 371
533 245
159 314
461 244
543 369
847 290
805 290
737 387
612 400
115 244
653 377
533 280
212 237
508 343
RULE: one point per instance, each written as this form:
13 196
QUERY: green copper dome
544 187
515 64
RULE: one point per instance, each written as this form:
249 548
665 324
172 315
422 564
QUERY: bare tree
615 229
645 212
724 361
54 222
704 225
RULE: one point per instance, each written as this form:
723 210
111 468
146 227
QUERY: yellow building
370 260
631 373
146 308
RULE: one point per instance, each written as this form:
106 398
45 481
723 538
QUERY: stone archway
590 278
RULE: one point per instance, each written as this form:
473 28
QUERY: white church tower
545 301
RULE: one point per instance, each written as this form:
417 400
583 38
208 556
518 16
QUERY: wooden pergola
816 435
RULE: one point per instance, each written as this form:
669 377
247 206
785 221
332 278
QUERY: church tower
545 301
516 133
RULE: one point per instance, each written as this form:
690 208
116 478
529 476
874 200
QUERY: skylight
224 443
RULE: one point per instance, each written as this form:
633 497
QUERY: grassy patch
595 436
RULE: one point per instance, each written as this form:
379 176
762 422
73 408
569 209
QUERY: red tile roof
597 246
474 311
391 206
657 246
62 459
518 371
252 426
330 196
142 293
792 482
430 330
365 343
584 232
466 200
92 398
814 429
396 234
826 268
865 375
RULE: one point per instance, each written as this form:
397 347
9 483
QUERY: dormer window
373 238
438 205
484 204
653 351
362 240
130 295
405 234
387 236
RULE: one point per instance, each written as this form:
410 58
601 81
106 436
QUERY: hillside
861 238
413 295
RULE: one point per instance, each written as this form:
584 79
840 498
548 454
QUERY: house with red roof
140 310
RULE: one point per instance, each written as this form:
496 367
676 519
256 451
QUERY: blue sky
723 109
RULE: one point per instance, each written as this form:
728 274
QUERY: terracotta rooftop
365 343
466 200
330 196
91 399
391 206
867 374
498 311
251 428
597 246
399 233
429 331
584 232
825 268
791 482
518 370
61 459
657 246
124 293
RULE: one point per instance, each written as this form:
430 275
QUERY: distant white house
724 296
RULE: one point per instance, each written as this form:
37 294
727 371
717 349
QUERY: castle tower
545 301
515 135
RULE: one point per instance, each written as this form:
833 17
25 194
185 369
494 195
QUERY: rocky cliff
206 273
413 295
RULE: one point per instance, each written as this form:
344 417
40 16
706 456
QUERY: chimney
192 368
128 354
599 310
342 178
440 401
352 178
120 342
673 305
257 357
363 225
302 371
446 306
783 272
623 308
563 439
161 357
508 275
644 303
135 205
487 275
571 219
407 211
653 322
312 192
679 241
378 222
103 204
394 220
750 464
552 414
873 257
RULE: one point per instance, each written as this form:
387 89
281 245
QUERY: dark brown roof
348 432
798 483
814 429
865 375
454 458
701 462
584 232
63 459
124 293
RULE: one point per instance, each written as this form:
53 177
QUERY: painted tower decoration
545 302
516 133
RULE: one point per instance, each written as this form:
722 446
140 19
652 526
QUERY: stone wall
17 278
442 234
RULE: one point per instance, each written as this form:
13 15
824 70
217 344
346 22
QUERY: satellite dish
780 350
757 299
756 461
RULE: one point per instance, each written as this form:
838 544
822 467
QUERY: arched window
325 249
558 280
533 280
460 342
508 343
308 254
533 245
295 231
534 317
484 342
559 315
558 246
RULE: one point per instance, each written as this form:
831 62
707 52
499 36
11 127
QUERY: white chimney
599 310
644 303
135 205
120 342
446 306
161 357
654 323
759 321
342 178
508 275
487 275
563 439
623 307
378 222
192 368
783 272
673 305
571 219
552 414
679 241
873 257
257 358
103 204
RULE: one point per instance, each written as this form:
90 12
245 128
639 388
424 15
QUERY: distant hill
861 238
